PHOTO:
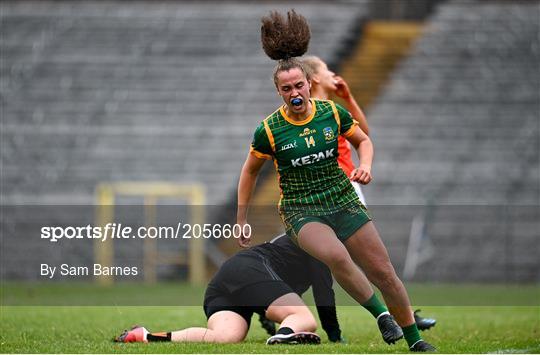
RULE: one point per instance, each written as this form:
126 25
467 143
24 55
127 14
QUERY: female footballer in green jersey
318 204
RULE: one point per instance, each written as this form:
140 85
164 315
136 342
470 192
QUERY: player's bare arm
343 91
246 184
364 148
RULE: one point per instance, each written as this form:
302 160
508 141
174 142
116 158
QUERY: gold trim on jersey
351 130
336 115
270 135
259 155
279 182
304 121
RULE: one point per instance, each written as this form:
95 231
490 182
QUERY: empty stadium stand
457 130
105 91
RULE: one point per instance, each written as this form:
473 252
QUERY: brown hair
283 39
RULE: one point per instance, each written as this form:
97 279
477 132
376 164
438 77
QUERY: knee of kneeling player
311 323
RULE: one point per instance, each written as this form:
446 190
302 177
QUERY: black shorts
245 284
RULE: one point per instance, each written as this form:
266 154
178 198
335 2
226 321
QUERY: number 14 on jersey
310 141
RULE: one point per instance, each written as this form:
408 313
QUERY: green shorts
344 222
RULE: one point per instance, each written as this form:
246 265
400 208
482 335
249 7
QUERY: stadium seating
100 91
142 91
109 91
457 129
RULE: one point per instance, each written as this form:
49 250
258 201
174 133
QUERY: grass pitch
90 329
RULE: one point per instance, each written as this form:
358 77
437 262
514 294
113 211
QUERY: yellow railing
151 192
382 46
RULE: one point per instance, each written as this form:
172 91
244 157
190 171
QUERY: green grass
182 294
89 329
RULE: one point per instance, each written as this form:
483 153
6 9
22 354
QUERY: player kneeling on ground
245 284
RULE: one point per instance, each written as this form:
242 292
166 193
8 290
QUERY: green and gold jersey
305 156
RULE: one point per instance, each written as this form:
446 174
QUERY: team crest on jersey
307 131
328 133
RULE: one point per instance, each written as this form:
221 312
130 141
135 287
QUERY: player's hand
342 88
244 240
362 174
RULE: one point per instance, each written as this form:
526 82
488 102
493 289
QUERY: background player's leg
320 241
223 327
290 311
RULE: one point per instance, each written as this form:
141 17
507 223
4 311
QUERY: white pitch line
514 351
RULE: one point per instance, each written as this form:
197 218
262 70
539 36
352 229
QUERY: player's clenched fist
362 174
245 238
342 88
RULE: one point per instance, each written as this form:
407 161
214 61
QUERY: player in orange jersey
325 83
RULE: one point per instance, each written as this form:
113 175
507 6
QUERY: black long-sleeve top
300 271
